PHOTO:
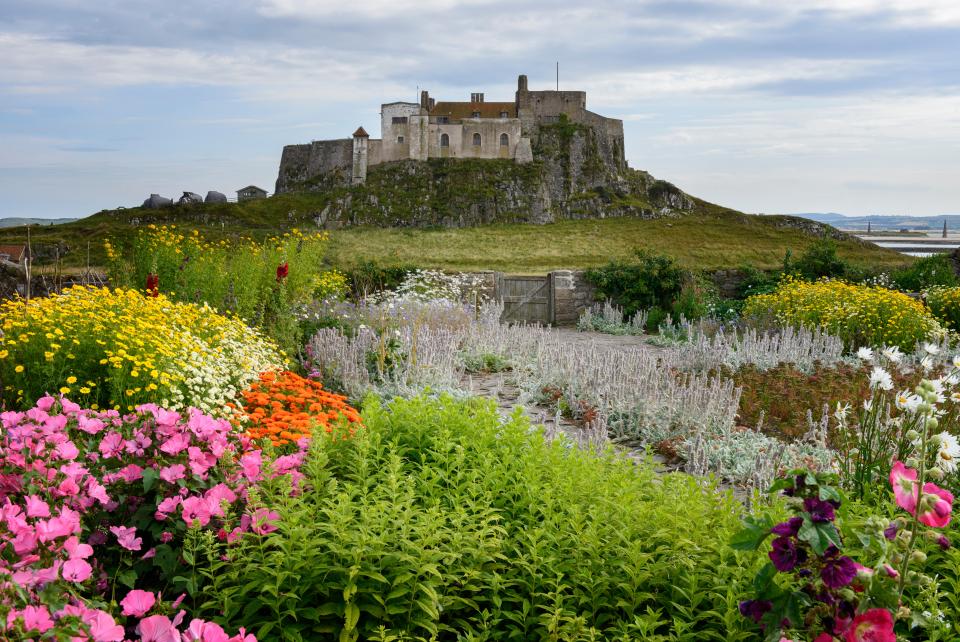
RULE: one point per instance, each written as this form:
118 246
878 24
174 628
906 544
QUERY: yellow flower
71 380
18 369
64 390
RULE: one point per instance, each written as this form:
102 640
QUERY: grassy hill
701 235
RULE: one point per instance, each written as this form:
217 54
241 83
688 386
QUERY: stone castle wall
301 163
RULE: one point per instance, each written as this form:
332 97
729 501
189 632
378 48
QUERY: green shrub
926 272
440 520
369 277
649 280
821 260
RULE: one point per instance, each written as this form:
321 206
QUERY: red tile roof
459 111
361 133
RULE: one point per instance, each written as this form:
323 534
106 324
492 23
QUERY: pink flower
127 537
200 631
157 628
250 465
264 521
905 491
36 507
131 473
170 474
936 505
90 426
875 625
195 509
243 636
166 537
112 445
97 491
76 550
103 628
175 444
67 450
45 403
76 570
138 602
37 618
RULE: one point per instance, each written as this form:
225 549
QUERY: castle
430 129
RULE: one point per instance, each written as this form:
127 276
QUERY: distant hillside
14 221
886 222
459 219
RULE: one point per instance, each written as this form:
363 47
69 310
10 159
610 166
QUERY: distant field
700 241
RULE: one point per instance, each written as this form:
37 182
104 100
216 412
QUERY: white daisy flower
927 363
907 401
892 353
880 378
866 354
956 361
948 452
930 348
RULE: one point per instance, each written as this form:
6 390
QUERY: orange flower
285 407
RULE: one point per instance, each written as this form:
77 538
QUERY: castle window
504 140
443 120
399 120
399 140
476 140
504 114
475 114
444 140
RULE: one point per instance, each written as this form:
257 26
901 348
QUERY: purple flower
755 609
890 532
784 555
790 528
943 542
820 511
838 571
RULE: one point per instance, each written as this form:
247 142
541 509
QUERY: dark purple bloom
784 554
943 542
837 572
755 609
890 532
789 528
820 511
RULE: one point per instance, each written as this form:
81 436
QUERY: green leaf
828 493
128 578
820 535
755 531
351 615
150 477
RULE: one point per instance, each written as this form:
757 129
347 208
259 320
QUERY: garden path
501 387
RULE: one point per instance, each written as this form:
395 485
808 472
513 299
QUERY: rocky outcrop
576 173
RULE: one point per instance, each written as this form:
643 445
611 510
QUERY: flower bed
944 303
860 315
105 513
285 408
118 349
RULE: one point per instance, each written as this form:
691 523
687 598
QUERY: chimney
476 98
432 103
425 99
522 82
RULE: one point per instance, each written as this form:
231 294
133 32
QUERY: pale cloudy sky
763 105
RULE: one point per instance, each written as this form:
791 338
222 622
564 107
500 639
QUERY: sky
766 106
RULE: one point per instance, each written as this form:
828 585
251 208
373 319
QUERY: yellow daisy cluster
944 303
860 315
118 348
331 284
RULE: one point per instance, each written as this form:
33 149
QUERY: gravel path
502 387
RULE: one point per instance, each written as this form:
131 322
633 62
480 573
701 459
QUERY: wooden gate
526 299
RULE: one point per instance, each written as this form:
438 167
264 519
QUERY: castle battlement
431 129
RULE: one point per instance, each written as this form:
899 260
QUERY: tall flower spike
904 483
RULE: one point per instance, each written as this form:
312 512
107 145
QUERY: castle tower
361 141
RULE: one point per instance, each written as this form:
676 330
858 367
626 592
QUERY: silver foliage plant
734 348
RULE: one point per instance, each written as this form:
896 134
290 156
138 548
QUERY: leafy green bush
369 277
926 272
442 521
821 260
648 281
